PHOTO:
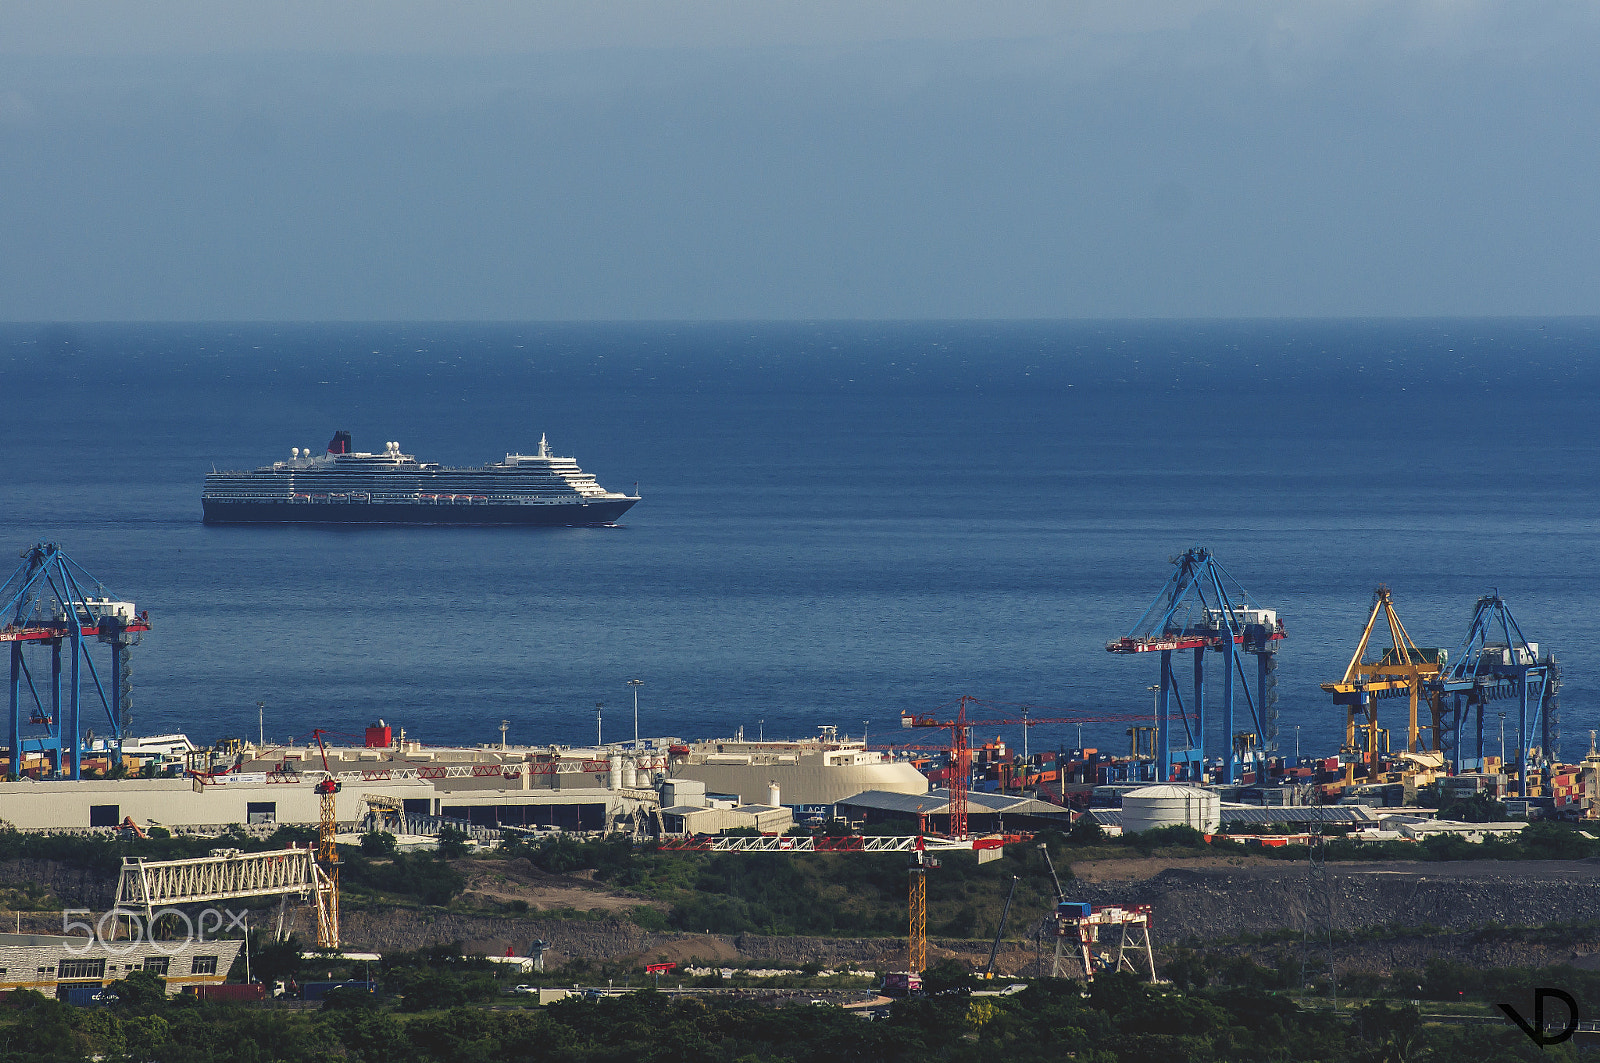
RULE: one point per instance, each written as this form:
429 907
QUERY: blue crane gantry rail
1402 670
1202 608
1507 669
43 604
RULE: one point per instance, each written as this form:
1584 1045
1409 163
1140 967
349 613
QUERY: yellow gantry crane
1402 670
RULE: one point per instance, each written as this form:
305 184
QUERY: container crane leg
1200 709
1164 758
15 729
55 697
74 713
1228 776
1522 736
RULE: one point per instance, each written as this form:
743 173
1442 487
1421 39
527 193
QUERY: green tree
379 843
452 843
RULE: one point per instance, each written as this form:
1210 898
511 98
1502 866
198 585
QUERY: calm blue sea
840 521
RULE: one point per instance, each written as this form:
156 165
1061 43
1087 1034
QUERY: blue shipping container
1074 909
90 997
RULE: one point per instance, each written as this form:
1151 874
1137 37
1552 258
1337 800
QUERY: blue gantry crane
1496 662
1203 608
44 606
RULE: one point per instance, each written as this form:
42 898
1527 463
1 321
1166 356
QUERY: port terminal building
630 787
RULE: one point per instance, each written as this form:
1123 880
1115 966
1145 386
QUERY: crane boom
988 972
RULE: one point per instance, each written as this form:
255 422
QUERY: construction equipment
1045 849
1108 937
327 851
1496 662
44 603
849 843
960 749
1403 670
917 938
988 970
1203 608
151 887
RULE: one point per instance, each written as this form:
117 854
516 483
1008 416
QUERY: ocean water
841 521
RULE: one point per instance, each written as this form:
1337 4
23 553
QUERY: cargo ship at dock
345 486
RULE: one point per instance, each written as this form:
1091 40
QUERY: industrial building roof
1169 790
1358 815
937 803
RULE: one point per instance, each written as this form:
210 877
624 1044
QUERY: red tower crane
961 750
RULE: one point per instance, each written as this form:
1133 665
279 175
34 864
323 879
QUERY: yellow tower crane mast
1401 670
917 937
327 853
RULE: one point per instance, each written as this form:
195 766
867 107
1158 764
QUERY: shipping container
90 996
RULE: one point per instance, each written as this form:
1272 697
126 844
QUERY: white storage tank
1170 805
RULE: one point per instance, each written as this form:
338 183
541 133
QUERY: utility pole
636 684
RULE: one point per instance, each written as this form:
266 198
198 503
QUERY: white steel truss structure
1108 937
149 886
846 844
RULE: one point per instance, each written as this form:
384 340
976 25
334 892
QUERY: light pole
597 707
261 725
1502 743
636 684
864 732
505 725
1024 735
1297 745
1080 738
761 730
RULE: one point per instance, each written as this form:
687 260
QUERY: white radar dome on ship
1171 805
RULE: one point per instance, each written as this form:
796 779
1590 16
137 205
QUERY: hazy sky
696 159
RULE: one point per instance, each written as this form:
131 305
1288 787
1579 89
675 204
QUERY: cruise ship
345 486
